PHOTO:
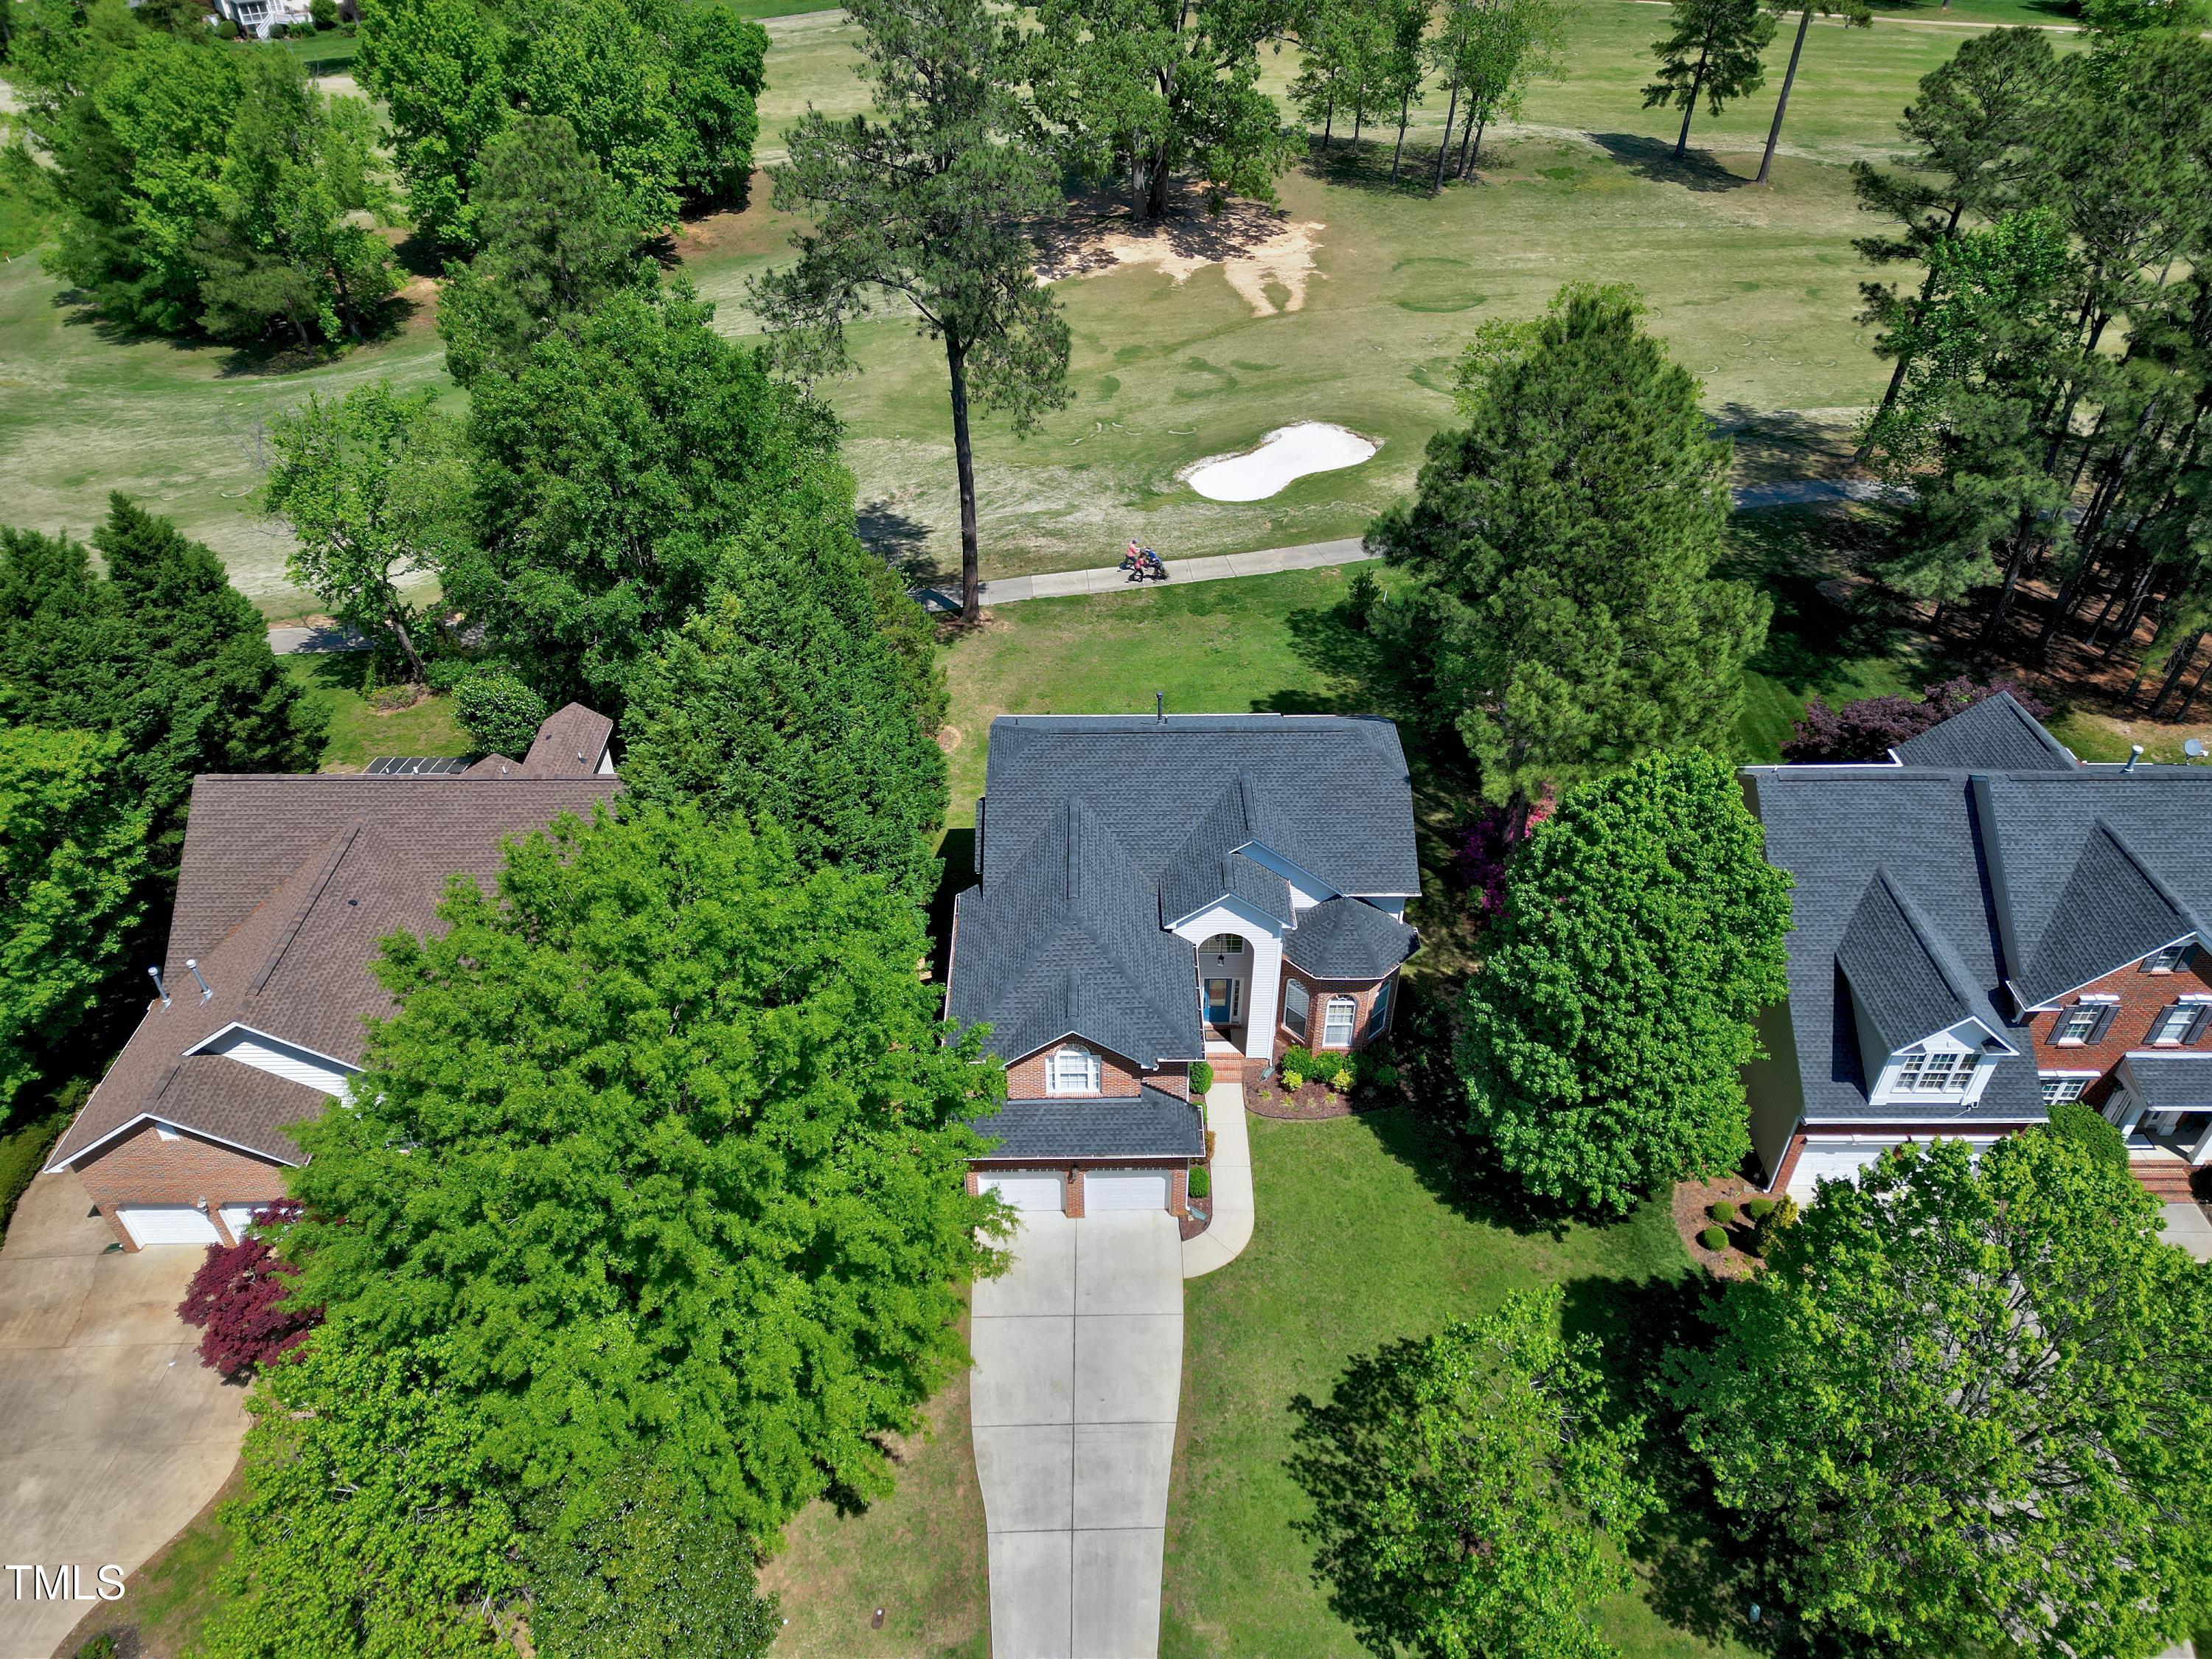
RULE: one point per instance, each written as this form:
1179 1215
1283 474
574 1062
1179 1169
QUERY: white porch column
2203 1144
2126 1112
1263 1000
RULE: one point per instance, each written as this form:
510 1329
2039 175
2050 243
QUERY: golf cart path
1079 1366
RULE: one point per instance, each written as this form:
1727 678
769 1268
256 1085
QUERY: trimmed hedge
2087 1129
1714 1239
1756 1208
1201 1079
1201 1182
1725 1213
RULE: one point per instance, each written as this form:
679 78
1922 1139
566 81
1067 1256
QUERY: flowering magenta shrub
1869 729
237 1298
1485 848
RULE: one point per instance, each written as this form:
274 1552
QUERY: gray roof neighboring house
2171 1082
1925 895
288 883
1154 1124
1096 834
1995 733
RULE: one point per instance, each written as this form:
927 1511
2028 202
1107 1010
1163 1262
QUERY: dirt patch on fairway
1262 253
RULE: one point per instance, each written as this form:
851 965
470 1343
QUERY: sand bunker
1257 249
1286 453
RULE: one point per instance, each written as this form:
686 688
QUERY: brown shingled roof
288 883
571 743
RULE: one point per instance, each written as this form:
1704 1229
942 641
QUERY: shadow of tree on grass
1654 158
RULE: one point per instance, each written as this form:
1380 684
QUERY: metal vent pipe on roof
206 989
1160 706
2135 754
162 990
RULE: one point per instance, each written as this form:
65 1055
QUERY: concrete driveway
1078 1365
113 1434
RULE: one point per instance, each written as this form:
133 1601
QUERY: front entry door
1224 999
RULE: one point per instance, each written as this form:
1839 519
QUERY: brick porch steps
2167 1178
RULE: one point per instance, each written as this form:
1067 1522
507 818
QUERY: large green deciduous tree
436 66
369 1525
1967 1400
1491 51
162 652
72 889
666 1143
1475 1490
922 207
372 485
1717 50
783 698
557 238
1602 1038
1141 90
612 465
1566 618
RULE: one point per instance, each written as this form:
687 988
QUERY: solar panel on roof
415 766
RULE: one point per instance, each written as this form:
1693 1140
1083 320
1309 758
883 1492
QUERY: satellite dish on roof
2194 748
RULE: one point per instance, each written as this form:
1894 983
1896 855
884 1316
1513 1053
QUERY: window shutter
2196 1026
2104 1012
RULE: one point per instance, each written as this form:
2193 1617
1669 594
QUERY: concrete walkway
113 1434
1224 1240
1079 1366
2186 1225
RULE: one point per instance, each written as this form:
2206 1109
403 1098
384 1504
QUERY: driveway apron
1078 1365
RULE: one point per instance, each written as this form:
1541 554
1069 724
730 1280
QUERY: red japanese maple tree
238 1298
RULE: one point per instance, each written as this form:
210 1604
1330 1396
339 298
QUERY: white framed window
1222 944
1379 1012
1934 1074
2078 1023
2174 1024
1336 1022
2165 961
1298 1005
1071 1072
2056 1088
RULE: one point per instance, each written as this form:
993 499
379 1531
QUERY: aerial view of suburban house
1154 892
1985 925
288 883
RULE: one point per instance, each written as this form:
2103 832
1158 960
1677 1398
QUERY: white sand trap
1286 453
1257 253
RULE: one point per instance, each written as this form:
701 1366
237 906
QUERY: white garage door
239 1217
1125 1189
168 1223
1030 1189
1832 1161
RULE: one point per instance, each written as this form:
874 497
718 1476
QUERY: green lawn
1755 290
360 732
168 1601
1366 1237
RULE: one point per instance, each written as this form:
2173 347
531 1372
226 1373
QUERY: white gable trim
2057 1000
158 1122
1307 890
1228 909
293 1061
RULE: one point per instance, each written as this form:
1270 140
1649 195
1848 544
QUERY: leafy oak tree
72 889
369 1522
1472 1490
1968 1397
557 239
665 1146
1140 90
784 698
162 652
610 465
370 483
1491 51
1717 50
921 206
1602 1038
1565 616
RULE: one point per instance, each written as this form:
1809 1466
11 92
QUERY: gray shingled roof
1930 891
2172 1083
1155 1124
1994 735
1348 939
1096 833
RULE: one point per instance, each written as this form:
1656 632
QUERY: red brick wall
2142 998
1362 992
141 1168
1117 1077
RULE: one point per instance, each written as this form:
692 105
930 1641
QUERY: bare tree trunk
1905 358
1471 158
1444 150
1327 117
398 624
1782 104
1690 104
1405 108
2176 666
2196 685
963 457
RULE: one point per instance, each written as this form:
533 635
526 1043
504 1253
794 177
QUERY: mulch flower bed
1200 1218
1693 1202
1312 1101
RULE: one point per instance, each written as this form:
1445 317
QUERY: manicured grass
919 1555
330 53
360 732
1260 642
1366 1237
1755 290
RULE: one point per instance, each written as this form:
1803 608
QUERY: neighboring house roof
1344 938
1995 734
2171 1083
1936 894
1155 1124
288 883
572 742
1096 833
